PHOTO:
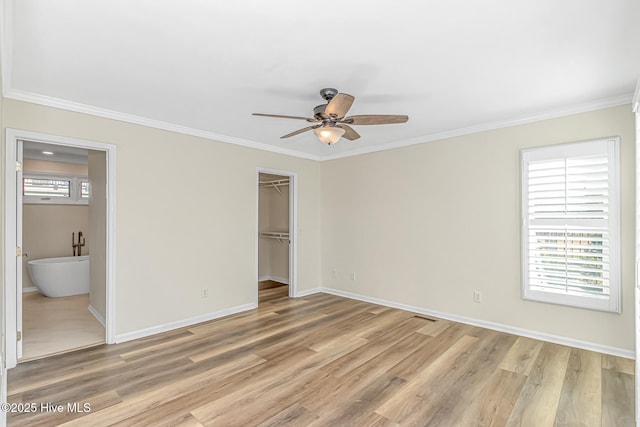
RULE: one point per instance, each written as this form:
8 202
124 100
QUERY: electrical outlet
477 296
204 293
353 275
334 274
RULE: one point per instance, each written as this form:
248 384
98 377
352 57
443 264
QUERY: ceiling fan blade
339 105
349 132
299 131
375 119
309 119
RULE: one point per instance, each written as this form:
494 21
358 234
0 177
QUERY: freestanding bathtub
60 277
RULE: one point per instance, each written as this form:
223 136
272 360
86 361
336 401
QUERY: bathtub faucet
77 245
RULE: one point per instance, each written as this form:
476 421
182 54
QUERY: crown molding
6 55
635 103
157 124
576 109
6 43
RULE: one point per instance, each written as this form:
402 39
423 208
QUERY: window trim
75 197
613 303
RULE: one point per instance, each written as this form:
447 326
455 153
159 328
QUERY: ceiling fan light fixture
332 121
329 134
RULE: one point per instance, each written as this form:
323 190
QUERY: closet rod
276 183
281 237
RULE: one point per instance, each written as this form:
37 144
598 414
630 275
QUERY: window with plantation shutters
570 224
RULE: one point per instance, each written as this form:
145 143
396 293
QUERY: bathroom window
54 189
84 190
43 187
570 224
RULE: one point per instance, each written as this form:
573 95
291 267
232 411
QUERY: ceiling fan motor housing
318 112
328 93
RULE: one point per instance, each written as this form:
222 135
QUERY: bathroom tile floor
56 325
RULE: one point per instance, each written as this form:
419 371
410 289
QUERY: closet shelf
282 237
276 183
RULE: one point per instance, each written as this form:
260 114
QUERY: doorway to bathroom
60 217
276 235
59 209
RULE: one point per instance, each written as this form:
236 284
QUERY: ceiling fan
332 123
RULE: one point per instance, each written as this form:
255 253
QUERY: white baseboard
282 280
98 316
585 345
307 292
31 289
128 336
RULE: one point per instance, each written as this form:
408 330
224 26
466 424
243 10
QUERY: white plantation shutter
570 224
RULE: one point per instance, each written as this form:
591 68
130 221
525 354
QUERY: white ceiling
202 67
60 153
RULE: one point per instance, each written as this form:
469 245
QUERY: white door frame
636 110
13 290
293 228
18 233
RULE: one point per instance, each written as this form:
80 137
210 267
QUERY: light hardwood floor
323 360
54 325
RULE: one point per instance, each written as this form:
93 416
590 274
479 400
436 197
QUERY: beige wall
33 165
274 216
426 225
197 229
423 225
47 228
97 230
46 232
264 258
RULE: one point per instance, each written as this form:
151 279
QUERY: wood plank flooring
323 360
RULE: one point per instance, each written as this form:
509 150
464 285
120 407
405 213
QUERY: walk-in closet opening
274 242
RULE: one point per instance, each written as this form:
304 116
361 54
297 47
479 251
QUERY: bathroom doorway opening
276 235
59 208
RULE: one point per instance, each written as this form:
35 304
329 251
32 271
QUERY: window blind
46 187
54 188
568 223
